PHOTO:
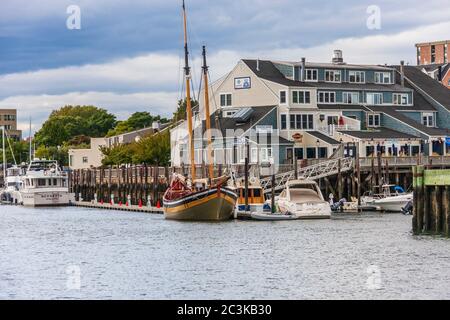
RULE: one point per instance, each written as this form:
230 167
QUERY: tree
136 121
72 121
118 155
181 113
54 153
153 150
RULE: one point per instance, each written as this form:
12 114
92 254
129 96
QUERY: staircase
317 171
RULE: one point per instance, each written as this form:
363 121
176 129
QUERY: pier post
446 210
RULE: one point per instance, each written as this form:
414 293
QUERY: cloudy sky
126 57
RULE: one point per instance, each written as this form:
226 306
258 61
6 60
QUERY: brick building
8 118
433 59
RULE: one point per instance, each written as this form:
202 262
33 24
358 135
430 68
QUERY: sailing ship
205 199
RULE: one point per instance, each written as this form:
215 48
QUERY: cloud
153 82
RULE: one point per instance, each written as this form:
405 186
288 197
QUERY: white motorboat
268 216
44 184
13 183
303 199
394 200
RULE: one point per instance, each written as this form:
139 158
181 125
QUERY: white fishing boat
268 216
394 199
45 184
304 200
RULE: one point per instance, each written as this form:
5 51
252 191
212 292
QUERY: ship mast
208 116
187 74
4 155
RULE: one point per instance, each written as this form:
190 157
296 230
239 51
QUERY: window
400 98
323 153
229 114
350 97
357 77
326 97
9 117
265 155
428 119
311 75
301 97
433 54
302 122
85 159
310 153
283 97
383 77
332 76
41 182
283 122
254 155
225 100
374 98
373 120
332 120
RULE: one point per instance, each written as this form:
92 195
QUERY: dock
431 201
117 207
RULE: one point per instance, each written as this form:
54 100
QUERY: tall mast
208 116
30 155
187 74
4 155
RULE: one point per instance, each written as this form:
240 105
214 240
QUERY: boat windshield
43 166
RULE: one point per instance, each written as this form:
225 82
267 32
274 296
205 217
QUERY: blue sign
447 141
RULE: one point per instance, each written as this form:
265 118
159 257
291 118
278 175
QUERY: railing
313 172
406 161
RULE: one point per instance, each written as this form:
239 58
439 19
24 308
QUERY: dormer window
357 77
383 77
332 76
428 119
312 75
400 99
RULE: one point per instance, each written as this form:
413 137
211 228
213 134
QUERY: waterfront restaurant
313 108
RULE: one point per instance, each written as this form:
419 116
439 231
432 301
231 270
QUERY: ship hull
45 199
210 205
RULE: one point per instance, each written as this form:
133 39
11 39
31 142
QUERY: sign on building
242 83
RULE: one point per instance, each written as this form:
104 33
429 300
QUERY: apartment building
310 109
433 59
8 119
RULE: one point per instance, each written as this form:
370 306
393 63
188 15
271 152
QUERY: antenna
29 138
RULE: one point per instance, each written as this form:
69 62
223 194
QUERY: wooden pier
431 201
108 206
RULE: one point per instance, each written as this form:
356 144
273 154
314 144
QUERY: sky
127 55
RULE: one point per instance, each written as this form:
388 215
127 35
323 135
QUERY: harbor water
76 253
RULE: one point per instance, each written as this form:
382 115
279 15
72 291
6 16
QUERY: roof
268 71
337 65
431 43
324 137
432 87
232 123
430 67
381 133
410 122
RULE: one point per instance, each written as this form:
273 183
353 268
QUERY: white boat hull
394 204
272 217
45 198
317 211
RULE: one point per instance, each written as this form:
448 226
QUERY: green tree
181 113
72 121
118 155
54 153
136 121
153 150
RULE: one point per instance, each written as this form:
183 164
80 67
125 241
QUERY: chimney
338 57
303 70
402 72
257 64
